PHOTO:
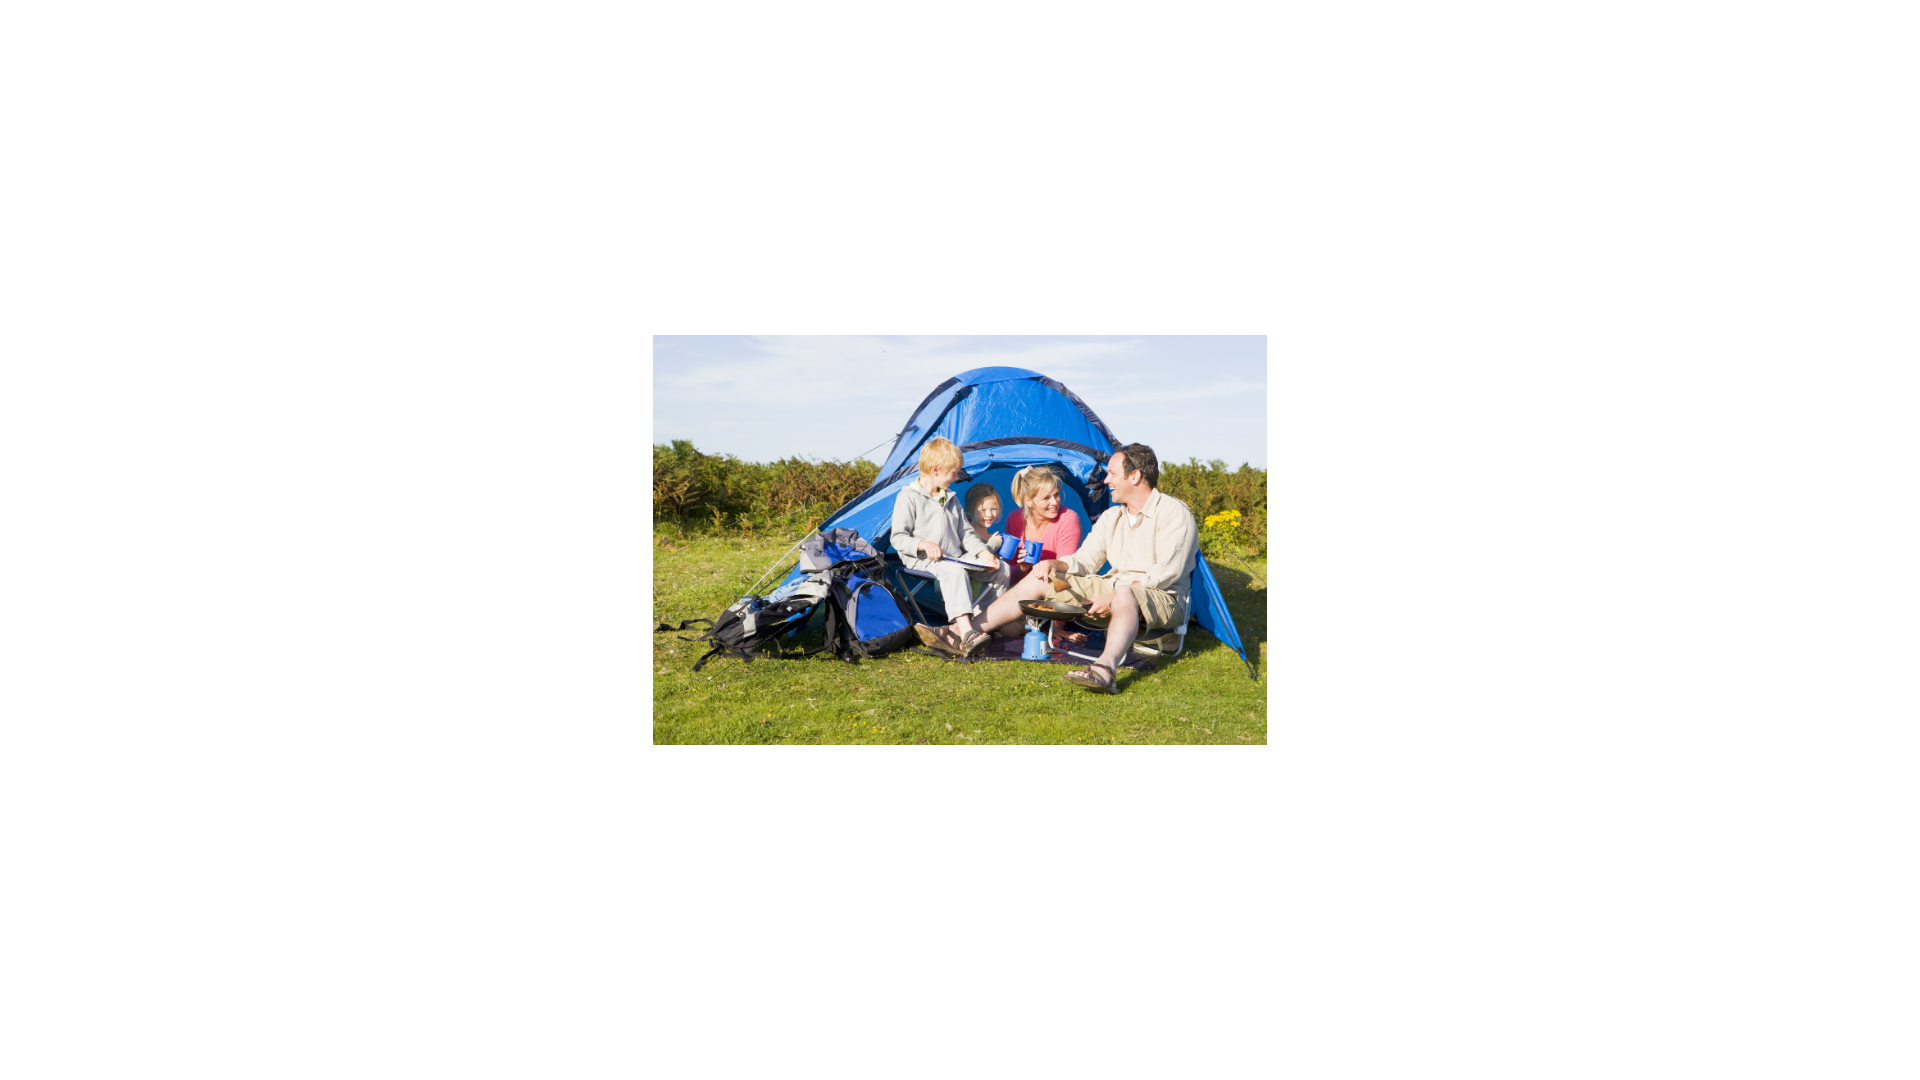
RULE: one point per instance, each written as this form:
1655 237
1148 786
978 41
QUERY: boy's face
942 478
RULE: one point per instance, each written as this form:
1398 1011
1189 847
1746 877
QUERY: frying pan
1047 609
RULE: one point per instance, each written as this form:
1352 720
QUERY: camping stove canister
1035 647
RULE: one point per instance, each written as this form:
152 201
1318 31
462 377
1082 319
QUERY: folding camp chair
1139 646
921 589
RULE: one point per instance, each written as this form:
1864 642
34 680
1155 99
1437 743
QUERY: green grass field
1202 696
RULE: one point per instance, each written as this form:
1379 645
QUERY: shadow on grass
1245 604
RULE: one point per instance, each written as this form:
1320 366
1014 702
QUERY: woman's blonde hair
1032 482
939 454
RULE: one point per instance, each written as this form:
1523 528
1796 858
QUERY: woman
1042 518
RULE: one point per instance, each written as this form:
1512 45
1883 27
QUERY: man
1151 541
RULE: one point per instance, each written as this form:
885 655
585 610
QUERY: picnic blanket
1010 649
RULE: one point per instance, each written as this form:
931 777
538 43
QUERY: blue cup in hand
1032 551
1008 543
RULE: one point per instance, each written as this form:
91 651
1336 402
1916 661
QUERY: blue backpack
863 617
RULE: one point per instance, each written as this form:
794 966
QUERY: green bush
698 492
716 493
1229 506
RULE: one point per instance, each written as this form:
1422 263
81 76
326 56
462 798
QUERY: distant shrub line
695 492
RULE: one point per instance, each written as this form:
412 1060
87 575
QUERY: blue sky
763 398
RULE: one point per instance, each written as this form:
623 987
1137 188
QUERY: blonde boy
928 530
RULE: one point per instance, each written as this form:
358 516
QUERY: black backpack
862 617
754 623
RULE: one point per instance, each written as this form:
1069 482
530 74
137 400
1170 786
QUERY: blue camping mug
1032 551
1007 543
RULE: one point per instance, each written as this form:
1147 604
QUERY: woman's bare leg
1007 608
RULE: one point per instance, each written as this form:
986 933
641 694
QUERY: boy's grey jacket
919 516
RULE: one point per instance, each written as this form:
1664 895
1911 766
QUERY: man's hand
1050 570
1100 605
930 551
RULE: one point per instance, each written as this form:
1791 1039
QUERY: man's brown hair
1139 458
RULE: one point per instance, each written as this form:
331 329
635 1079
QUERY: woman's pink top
1057 541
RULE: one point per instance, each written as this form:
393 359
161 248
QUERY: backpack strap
750 655
839 639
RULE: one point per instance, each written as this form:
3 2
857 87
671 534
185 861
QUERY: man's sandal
1088 677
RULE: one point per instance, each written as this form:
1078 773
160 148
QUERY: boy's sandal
941 639
1086 677
974 642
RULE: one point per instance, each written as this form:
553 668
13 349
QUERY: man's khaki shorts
1159 609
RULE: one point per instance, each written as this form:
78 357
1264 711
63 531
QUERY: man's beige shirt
1158 549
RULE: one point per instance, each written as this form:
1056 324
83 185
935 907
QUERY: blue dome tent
1005 419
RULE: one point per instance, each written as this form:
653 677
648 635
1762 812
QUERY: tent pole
781 559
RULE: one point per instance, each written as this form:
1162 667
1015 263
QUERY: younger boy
928 530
